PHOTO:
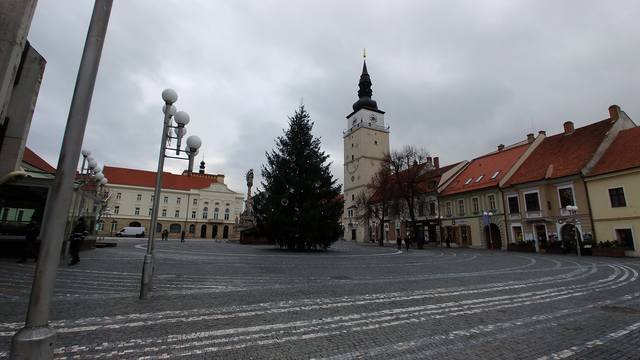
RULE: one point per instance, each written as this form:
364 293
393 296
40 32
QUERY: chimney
201 167
500 147
429 162
614 112
530 138
568 128
436 162
542 132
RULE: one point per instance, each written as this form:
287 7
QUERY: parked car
131 231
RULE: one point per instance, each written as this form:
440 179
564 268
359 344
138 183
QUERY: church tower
366 142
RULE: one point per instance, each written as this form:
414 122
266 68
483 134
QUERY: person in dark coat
77 235
31 237
165 234
407 242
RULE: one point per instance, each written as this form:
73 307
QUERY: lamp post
181 119
36 339
486 217
573 210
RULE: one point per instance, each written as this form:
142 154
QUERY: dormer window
479 178
495 175
468 181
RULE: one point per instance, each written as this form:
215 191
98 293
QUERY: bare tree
374 203
406 167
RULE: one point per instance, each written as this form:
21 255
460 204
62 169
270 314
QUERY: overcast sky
454 77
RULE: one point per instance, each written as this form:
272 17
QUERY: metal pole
147 266
36 339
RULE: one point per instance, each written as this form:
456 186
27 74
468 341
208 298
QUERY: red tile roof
484 168
135 177
622 154
562 155
36 161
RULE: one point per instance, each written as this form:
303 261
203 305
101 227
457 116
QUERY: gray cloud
455 77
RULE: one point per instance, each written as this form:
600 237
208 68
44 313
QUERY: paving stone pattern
217 300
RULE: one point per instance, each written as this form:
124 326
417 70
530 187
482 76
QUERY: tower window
353 197
351 145
375 142
352 157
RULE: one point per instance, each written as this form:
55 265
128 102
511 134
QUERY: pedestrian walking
182 236
77 235
165 235
407 242
30 249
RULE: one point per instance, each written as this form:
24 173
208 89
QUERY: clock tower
366 143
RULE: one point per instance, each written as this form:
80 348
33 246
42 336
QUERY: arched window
134 224
192 229
215 213
158 227
205 212
226 214
175 228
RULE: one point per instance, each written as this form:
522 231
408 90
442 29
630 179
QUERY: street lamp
181 119
572 209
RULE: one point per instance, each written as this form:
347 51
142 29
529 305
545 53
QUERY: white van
131 231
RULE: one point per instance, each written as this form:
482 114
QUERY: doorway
214 231
225 232
203 231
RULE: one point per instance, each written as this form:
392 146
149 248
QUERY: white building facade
199 204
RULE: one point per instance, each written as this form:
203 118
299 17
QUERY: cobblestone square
227 301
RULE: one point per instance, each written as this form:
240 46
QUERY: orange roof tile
36 161
622 154
135 177
562 155
479 174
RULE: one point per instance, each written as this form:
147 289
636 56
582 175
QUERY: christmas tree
299 206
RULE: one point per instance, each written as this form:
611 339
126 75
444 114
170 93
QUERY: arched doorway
192 229
214 231
175 228
570 237
493 239
135 224
203 231
225 232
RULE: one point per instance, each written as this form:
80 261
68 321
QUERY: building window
175 228
116 210
353 197
461 207
177 213
514 205
479 178
138 197
432 208
349 213
118 196
475 203
616 195
226 214
166 199
566 197
531 201
517 233
625 238
99 226
114 226
193 214
421 208
468 181
178 200
492 202
137 211
448 207
164 212
150 211
495 175
195 202
192 229
215 213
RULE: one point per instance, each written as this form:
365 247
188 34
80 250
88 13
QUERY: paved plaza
220 300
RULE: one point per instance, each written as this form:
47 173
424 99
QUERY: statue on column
249 202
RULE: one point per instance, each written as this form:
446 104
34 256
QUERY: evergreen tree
299 206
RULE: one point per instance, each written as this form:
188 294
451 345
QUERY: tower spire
365 92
